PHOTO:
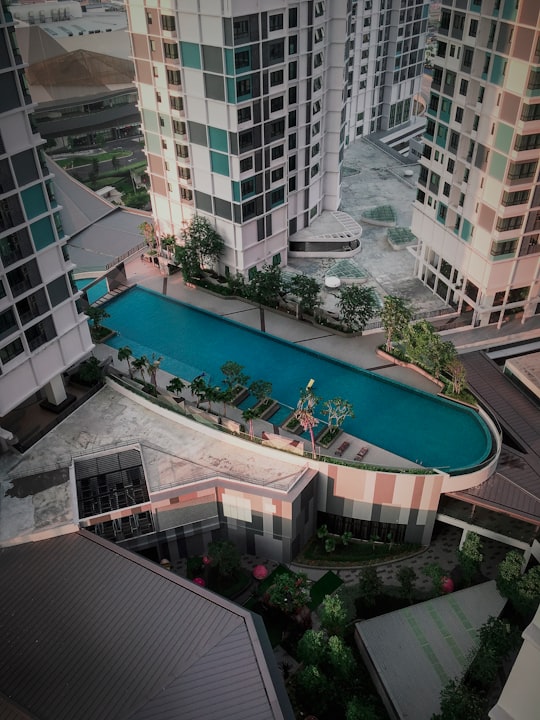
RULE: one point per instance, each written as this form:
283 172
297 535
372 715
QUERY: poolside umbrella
260 572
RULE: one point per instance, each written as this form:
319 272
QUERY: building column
55 390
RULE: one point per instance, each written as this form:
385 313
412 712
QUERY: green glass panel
503 137
497 166
509 10
150 120
466 230
219 163
236 190
153 143
191 55
34 201
229 62
497 69
231 90
166 128
42 233
217 139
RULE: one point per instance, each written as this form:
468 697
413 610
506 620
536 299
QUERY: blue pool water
95 292
425 429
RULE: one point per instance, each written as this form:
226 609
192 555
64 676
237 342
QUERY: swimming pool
421 427
95 292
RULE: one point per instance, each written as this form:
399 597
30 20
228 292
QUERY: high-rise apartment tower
41 330
477 210
247 106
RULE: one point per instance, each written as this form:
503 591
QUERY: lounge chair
361 453
341 449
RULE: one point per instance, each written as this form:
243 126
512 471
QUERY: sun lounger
361 453
341 449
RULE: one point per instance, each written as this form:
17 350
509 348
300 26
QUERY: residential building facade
246 109
42 332
477 211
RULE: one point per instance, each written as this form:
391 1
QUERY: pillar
55 390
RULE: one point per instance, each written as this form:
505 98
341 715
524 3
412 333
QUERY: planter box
294 426
325 439
240 396
267 409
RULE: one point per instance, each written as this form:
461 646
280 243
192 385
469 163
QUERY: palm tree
140 365
125 353
199 388
153 367
176 386
249 415
304 414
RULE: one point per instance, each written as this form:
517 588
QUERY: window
277 197
316 107
292 141
152 46
148 18
245 140
182 151
319 9
521 171
173 77
292 163
314 170
527 142
446 189
277 152
318 35
468 54
506 247
473 28
293 70
292 119
293 17
292 183
247 187
249 210
168 23
179 128
242 59
240 28
534 80
277 129
170 50
515 198
450 166
10 351
177 103
459 114
463 87
317 84
244 114
243 88
454 141
275 22
293 45
277 174
276 104
315 129
158 97
246 164
318 60
276 78
510 223
481 92
530 112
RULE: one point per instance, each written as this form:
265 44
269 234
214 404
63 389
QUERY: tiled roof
92 632
515 487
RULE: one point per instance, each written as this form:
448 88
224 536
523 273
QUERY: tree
436 575
186 258
124 353
261 390
249 415
233 374
425 347
199 388
140 365
312 647
168 242
97 315
204 240
307 289
396 315
470 556
369 586
340 659
148 232
360 709
457 373
304 414
225 557
497 639
528 592
333 615
153 367
315 687
509 573
406 577
264 288
459 701
290 592
337 410
138 199
357 305
176 385
115 162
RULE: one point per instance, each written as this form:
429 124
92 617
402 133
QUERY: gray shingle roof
93 632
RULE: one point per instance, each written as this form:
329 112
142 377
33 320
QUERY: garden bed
356 552
292 425
327 436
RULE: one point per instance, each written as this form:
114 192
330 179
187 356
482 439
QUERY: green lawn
80 160
328 584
